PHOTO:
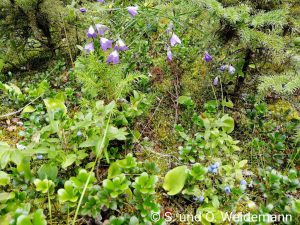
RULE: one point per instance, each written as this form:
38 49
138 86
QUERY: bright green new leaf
4 178
175 179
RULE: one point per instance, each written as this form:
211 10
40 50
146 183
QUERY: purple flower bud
105 43
227 190
207 57
199 199
223 67
132 10
121 46
215 170
243 182
231 70
83 10
102 1
216 81
39 157
169 28
209 169
89 48
113 57
175 40
169 55
79 134
101 29
91 32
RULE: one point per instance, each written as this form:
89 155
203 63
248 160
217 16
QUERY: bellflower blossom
101 29
91 32
105 43
113 57
207 57
169 55
102 1
132 10
231 70
83 10
227 190
175 40
216 81
223 67
89 48
121 46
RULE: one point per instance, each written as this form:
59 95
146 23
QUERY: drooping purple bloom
105 43
227 190
231 70
101 29
121 46
169 55
175 40
243 182
78 134
216 81
91 32
39 157
132 10
207 57
113 57
199 199
102 1
83 10
169 28
223 67
89 48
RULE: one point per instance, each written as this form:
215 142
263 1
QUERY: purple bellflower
113 57
207 57
133 10
227 190
105 43
231 70
169 55
121 46
89 48
243 182
223 67
101 29
102 1
83 10
91 32
175 40
216 81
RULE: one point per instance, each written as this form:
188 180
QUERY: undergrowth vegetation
149 112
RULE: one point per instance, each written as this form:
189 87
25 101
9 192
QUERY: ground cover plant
149 112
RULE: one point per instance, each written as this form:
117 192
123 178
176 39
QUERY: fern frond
273 18
283 84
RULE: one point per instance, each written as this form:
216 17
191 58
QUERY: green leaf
39 218
24 220
186 101
175 179
44 186
4 178
227 124
114 170
228 104
68 160
48 171
54 105
5 196
68 193
28 109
